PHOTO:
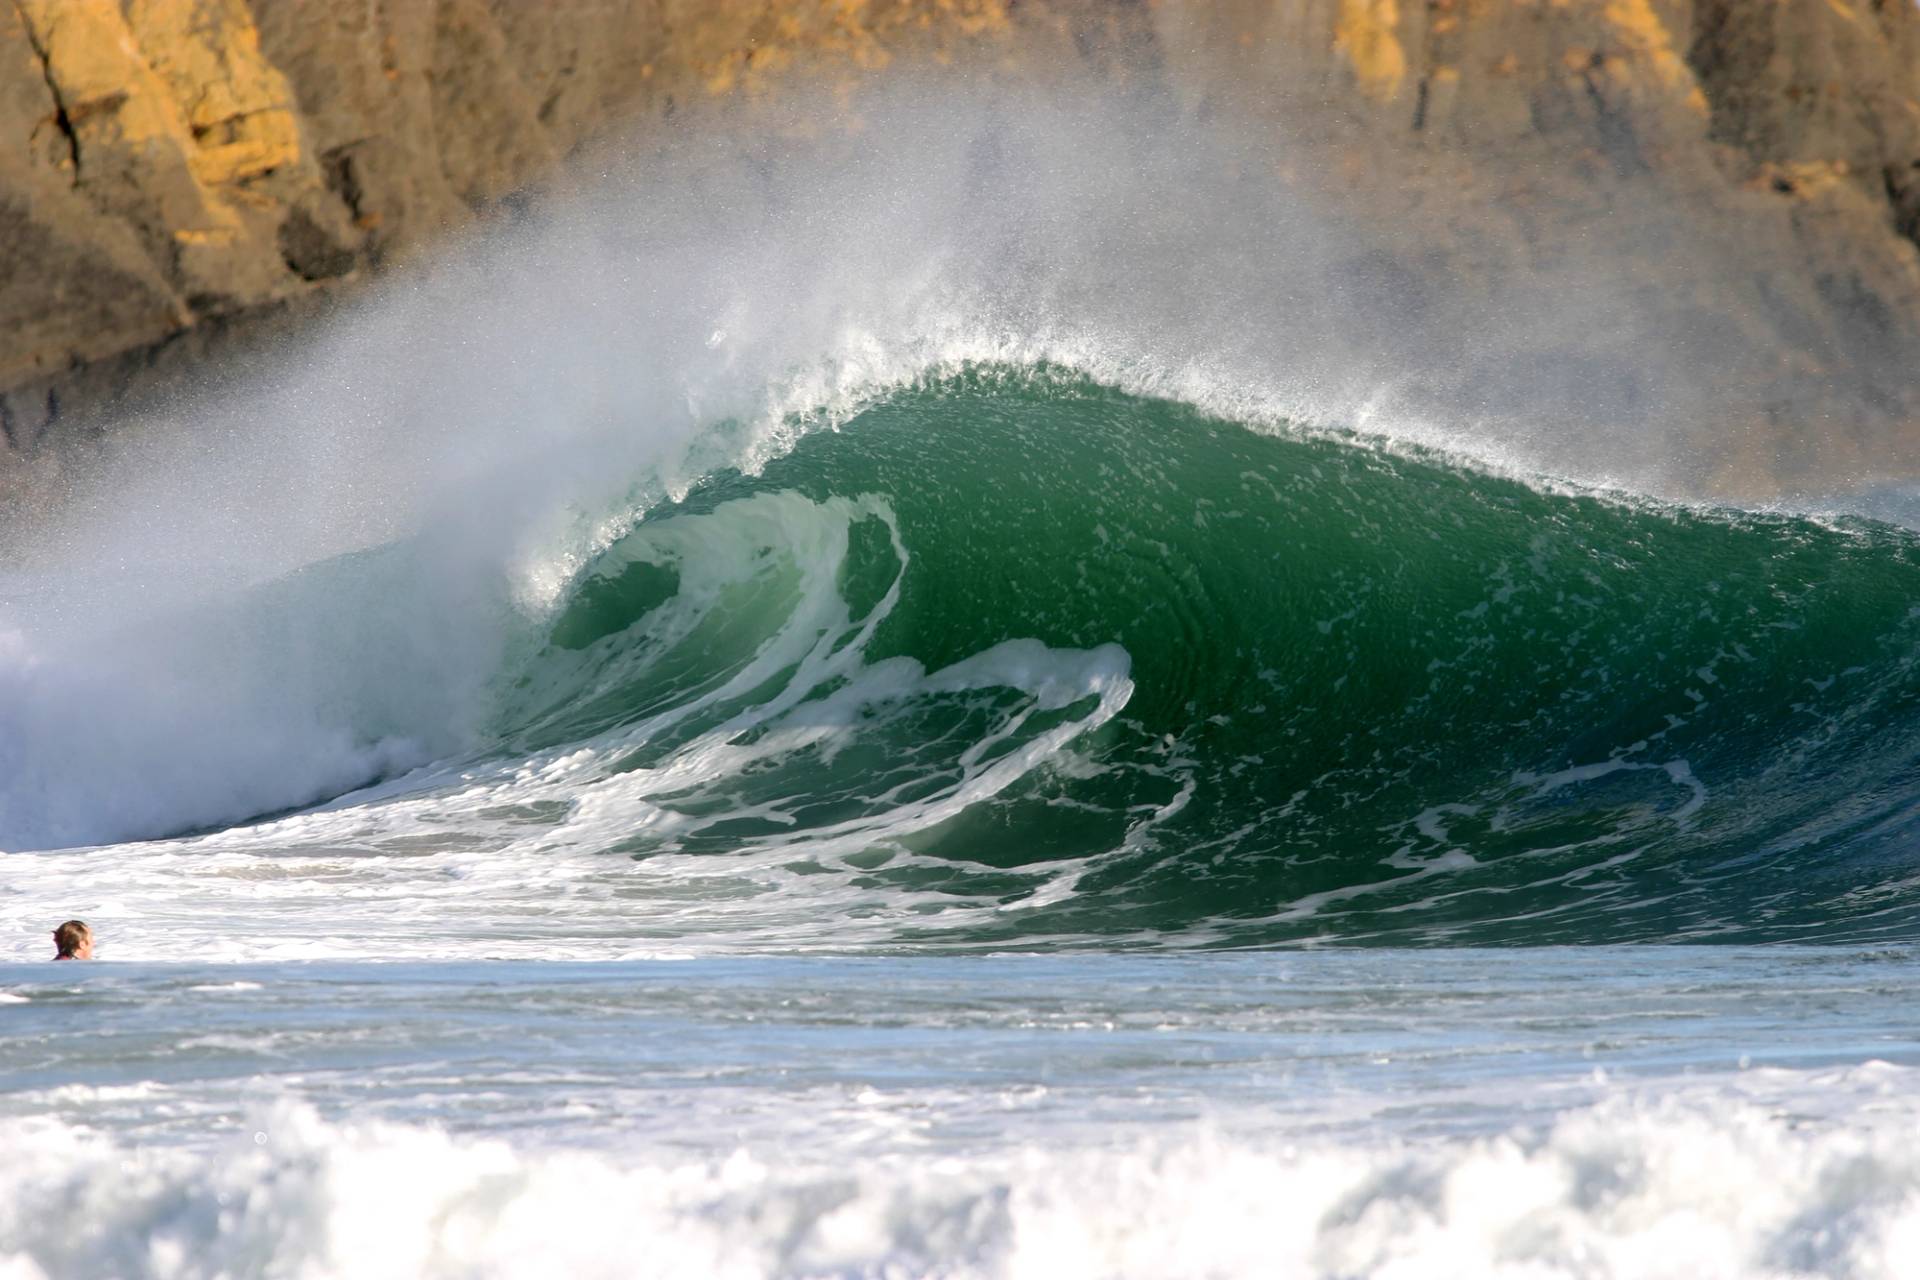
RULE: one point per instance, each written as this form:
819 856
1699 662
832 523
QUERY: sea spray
1090 355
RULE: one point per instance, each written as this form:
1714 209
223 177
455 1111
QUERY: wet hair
71 936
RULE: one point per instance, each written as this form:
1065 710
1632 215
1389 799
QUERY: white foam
784 675
1644 1189
1679 772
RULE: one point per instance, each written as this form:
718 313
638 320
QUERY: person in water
75 941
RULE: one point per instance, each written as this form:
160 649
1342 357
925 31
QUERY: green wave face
1354 696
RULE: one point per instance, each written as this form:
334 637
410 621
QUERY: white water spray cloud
482 425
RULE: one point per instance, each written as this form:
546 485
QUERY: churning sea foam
1654 1190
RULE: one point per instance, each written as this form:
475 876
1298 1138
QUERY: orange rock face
169 163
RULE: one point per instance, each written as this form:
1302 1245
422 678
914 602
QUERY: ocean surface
972 739
838 890
1638 1111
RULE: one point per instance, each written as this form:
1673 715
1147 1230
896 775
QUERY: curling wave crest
1010 657
938 534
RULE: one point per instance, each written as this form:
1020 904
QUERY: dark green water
1374 698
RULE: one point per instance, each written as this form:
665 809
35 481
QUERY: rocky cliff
169 163
168 166
1746 174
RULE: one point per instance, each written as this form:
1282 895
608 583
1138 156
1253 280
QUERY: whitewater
966 694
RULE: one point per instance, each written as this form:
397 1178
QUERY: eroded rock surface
1744 177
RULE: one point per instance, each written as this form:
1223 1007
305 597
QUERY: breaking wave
941 535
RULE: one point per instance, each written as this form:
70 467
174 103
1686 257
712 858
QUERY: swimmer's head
75 941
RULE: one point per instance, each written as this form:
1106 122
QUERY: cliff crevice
58 118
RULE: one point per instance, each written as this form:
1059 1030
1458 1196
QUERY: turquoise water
1012 659
1374 698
